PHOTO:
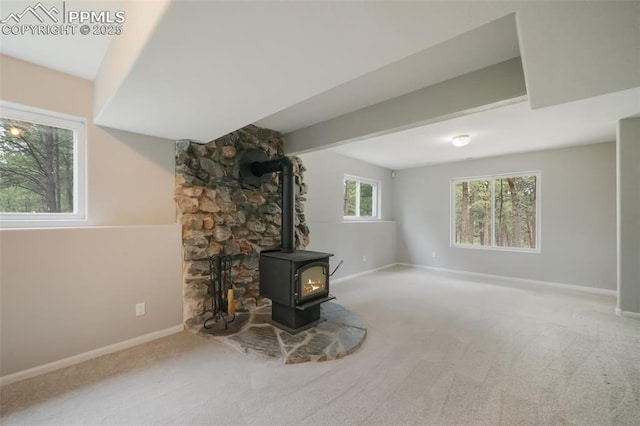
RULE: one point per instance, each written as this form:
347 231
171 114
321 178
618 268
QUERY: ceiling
489 44
505 130
198 70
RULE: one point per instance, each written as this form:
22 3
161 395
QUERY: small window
361 198
498 211
42 167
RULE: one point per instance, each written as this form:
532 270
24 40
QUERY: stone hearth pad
339 334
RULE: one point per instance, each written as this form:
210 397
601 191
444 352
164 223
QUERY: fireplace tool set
220 291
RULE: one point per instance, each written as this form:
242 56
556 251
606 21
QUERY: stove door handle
334 271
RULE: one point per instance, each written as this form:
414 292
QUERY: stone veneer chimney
220 216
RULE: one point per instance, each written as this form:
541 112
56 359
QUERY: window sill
362 220
503 249
86 227
42 222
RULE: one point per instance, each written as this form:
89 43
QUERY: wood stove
296 281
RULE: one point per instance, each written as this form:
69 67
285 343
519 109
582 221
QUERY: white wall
348 240
65 291
578 218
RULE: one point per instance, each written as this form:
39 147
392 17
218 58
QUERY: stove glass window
313 281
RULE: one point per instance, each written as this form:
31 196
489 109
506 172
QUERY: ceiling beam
498 84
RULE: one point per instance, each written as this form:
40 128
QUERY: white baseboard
76 359
359 274
583 289
629 314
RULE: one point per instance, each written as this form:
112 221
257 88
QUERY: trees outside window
41 166
496 211
360 198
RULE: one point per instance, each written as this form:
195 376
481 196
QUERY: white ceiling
234 63
198 70
505 130
489 44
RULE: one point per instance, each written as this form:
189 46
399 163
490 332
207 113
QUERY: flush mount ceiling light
460 141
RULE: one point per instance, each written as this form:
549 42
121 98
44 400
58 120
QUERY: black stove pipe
285 167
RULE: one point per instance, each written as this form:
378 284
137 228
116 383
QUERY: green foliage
366 200
350 197
36 167
359 199
473 213
514 210
16 199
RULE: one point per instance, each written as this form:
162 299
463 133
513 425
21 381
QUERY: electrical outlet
140 309
433 254
364 258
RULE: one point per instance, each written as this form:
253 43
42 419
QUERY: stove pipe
285 167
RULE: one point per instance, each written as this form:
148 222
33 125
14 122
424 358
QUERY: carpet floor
441 349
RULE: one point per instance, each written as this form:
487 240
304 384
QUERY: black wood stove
296 281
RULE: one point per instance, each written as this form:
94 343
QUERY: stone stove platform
339 334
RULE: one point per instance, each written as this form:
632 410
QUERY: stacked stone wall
221 215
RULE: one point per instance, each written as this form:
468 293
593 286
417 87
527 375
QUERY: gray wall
628 187
578 220
348 240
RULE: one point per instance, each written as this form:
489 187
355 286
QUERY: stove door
312 281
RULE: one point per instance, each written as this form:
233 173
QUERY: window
498 211
42 167
361 198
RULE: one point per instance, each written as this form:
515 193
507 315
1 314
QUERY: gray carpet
440 350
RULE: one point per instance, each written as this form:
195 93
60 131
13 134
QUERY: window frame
60 120
375 202
492 178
